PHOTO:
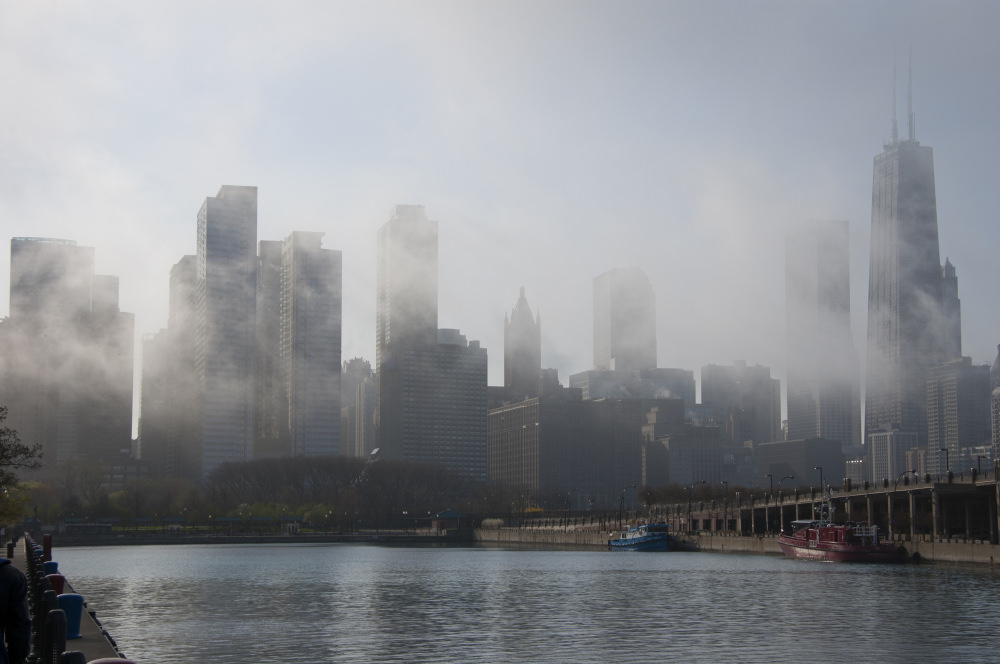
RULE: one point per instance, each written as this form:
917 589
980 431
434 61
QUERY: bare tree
15 455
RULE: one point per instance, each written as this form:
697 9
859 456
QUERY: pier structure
952 507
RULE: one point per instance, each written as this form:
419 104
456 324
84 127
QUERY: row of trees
331 492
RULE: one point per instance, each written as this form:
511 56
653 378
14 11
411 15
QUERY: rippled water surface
358 603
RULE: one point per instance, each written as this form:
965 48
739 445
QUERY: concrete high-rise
958 409
357 408
66 355
297 357
747 398
624 321
225 312
660 383
311 294
271 435
407 281
441 406
568 452
823 384
912 300
430 383
406 309
170 425
522 350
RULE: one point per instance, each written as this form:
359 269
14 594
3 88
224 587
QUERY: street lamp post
820 469
786 477
726 505
893 495
621 510
781 518
767 503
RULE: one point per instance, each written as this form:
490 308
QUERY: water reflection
354 603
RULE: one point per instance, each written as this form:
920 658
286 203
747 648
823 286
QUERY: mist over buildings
677 142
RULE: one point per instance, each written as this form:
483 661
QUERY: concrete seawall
957 552
542 537
599 539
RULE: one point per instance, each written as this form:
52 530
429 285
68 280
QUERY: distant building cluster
66 355
249 366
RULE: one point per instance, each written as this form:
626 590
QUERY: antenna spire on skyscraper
911 124
895 128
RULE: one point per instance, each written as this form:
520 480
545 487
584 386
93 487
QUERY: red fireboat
820 539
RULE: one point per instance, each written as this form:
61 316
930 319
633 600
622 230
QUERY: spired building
66 355
225 310
522 350
823 384
913 309
430 384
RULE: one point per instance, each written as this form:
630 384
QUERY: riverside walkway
94 645
954 508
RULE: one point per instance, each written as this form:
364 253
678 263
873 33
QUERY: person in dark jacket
14 618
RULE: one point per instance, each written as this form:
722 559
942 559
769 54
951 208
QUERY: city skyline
660 149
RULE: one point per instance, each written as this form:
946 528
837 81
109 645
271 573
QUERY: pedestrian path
94 642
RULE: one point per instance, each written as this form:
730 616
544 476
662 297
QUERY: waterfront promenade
93 642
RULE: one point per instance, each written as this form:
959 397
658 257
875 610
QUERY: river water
361 603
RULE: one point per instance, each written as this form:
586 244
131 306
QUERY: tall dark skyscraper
912 300
297 357
824 380
225 310
958 409
407 281
311 289
430 383
170 425
522 350
624 321
271 404
747 399
357 408
406 309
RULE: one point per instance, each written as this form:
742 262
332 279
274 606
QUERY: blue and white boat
646 537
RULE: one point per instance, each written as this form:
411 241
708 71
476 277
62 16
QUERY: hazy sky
552 141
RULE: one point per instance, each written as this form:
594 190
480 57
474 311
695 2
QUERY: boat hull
665 543
879 553
646 537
